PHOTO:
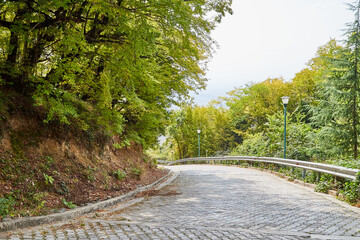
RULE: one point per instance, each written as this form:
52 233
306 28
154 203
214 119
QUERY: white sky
270 38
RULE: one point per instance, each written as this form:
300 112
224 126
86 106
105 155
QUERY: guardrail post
318 178
303 173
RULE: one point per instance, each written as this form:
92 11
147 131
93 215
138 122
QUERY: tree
337 111
109 65
217 137
306 83
270 142
250 106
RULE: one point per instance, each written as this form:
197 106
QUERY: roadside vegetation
322 120
85 86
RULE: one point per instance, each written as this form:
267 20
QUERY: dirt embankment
46 166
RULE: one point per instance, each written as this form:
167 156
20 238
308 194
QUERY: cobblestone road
216 202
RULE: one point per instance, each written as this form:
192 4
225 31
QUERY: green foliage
322 120
323 187
113 66
47 163
254 118
252 146
117 146
120 175
49 180
6 206
350 192
312 177
38 202
90 173
123 143
271 141
251 105
337 111
69 204
325 183
216 137
136 172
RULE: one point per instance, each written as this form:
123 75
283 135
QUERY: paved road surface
216 202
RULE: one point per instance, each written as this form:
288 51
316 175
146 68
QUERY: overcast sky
270 38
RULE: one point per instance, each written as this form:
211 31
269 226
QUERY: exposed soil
50 166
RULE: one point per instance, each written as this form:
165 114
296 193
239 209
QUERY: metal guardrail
163 161
347 173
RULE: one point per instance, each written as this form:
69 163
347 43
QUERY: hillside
49 166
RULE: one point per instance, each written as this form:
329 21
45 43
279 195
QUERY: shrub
323 187
120 175
136 171
6 206
351 192
70 205
48 179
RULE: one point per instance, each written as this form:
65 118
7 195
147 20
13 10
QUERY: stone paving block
218 203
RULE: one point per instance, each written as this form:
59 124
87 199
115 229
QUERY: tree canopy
252 121
115 65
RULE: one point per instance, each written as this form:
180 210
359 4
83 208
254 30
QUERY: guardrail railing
347 173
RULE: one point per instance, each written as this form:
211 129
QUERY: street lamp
285 101
199 131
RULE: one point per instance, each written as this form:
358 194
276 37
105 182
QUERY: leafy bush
117 146
270 142
120 175
312 177
252 146
325 183
6 206
69 204
323 187
48 179
351 192
136 171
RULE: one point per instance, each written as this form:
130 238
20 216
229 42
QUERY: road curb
80 211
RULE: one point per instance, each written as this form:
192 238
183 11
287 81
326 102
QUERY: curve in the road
219 202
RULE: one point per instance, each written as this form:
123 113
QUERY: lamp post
198 131
285 101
